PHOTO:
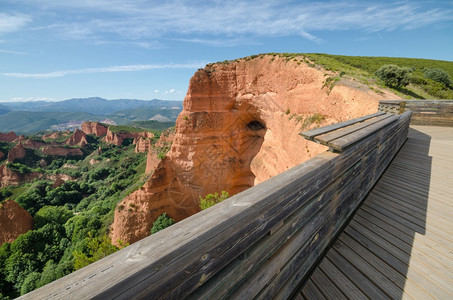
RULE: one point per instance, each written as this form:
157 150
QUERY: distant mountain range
29 117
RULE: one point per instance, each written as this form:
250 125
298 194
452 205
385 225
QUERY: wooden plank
325 138
341 143
329 290
310 291
384 268
430 265
369 288
347 287
434 288
374 276
405 236
310 134
290 269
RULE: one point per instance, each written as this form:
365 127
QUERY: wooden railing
425 112
260 243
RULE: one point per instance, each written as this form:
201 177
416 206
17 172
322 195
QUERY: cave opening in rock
255 125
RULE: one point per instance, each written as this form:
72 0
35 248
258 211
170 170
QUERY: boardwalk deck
399 244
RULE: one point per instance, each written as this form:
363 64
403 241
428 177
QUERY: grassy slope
363 68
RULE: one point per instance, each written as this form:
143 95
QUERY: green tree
212 199
52 214
394 76
97 248
163 221
438 75
30 282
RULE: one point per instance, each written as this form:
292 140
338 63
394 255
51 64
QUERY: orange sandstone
240 126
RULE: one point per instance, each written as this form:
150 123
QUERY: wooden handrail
424 112
260 243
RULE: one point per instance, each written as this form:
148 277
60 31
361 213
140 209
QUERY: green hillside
364 68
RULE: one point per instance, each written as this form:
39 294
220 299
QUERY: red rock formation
17 152
14 221
142 145
61 151
117 138
32 144
53 135
20 138
113 138
94 128
78 138
240 126
1 154
8 137
152 161
10 177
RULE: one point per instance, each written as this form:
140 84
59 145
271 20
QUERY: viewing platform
370 218
399 244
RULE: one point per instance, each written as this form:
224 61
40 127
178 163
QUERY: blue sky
61 49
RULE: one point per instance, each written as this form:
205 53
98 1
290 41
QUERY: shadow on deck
398 244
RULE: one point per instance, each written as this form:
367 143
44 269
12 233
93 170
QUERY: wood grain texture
400 237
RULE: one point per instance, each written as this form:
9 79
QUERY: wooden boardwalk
399 244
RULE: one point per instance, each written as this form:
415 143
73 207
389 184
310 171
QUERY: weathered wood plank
355 275
310 134
310 291
330 291
341 143
325 138
384 268
347 287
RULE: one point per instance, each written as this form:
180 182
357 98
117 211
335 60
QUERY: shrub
163 221
212 199
438 75
394 76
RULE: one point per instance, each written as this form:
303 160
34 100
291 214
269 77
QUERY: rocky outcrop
61 151
94 128
142 145
240 126
32 144
17 152
14 221
8 137
113 138
117 138
152 161
2 154
10 177
78 138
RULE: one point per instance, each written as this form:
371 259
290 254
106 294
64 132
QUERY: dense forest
70 220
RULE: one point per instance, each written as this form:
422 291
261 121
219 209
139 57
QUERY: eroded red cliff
14 221
95 128
240 126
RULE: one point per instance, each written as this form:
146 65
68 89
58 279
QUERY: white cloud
229 22
27 99
170 91
13 22
13 52
129 68
156 91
